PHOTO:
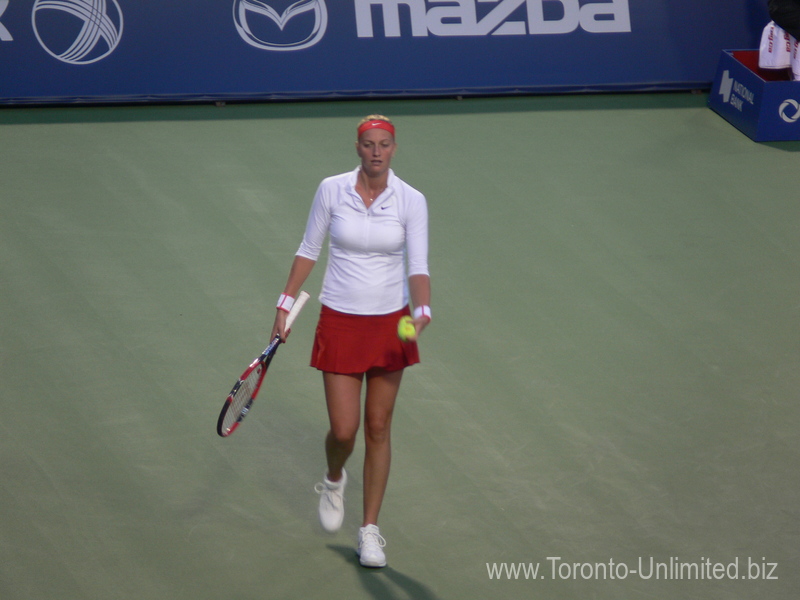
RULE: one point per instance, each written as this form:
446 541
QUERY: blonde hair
375 122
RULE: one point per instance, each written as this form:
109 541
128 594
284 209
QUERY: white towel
796 60
775 51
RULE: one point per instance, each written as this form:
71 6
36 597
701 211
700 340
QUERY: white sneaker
370 547
331 502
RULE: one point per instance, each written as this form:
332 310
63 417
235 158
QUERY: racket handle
302 298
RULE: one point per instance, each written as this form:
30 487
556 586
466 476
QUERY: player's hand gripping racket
245 390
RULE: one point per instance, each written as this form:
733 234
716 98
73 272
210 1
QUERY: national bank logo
77 32
789 110
735 93
280 25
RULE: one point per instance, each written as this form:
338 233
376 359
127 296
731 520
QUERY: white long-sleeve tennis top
371 251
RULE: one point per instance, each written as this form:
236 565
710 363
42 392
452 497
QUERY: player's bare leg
382 388
343 397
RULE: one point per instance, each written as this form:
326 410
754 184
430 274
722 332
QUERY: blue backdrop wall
138 50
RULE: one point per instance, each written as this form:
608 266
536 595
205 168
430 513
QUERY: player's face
375 148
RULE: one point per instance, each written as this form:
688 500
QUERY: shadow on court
385 583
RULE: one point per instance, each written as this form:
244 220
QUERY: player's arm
419 287
301 269
419 281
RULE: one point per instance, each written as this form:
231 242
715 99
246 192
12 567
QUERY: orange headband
376 124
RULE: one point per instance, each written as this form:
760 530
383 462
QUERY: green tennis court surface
610 384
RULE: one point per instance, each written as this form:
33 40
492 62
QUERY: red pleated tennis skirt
347 344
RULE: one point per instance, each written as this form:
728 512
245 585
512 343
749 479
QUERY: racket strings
243 396
250 383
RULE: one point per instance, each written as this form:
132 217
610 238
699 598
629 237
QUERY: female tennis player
377 227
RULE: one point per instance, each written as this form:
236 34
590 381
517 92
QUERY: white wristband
422 311
285 303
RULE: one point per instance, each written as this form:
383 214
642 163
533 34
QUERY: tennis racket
245 390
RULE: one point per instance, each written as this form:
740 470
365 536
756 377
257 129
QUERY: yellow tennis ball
406 330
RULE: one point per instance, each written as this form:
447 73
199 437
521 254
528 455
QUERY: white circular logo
263 26
790 116
78 32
